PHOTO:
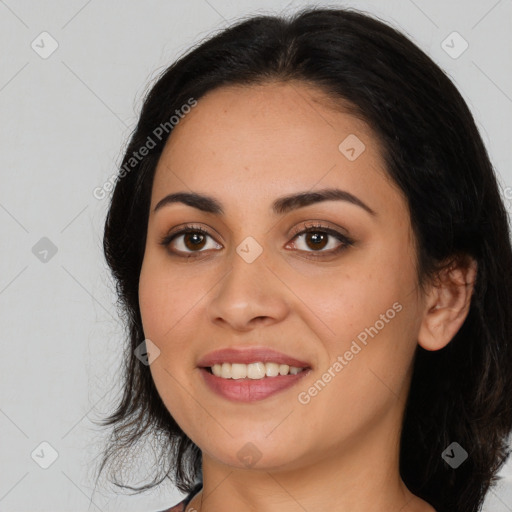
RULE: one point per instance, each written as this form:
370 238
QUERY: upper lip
249 355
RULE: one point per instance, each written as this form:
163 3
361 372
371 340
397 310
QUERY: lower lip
250 390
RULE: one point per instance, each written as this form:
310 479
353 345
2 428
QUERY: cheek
165 297
355 296
162 303
152 302
368 316
368 356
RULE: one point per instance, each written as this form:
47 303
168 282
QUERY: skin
247 147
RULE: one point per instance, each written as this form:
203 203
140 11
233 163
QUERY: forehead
253 143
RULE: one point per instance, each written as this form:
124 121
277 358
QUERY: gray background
65 120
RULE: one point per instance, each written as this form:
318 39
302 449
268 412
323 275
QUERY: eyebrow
280 206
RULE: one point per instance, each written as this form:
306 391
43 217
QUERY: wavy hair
433 152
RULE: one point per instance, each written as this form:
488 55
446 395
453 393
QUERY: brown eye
194 240
188 241
317 238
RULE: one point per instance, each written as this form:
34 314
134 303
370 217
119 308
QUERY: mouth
251 374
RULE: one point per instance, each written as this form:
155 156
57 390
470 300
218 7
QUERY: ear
447 304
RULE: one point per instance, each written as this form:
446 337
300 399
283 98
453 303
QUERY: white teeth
238 371
256 370
225 371
271 369
216 370
253 370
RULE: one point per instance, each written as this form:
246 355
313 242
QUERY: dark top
180 507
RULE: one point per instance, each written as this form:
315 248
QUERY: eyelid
186 227
318 224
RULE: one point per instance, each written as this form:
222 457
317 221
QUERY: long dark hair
433 152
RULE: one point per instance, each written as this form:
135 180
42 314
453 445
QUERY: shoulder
180 507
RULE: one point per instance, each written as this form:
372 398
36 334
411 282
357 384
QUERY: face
341 297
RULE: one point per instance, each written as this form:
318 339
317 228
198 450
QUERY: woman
313 257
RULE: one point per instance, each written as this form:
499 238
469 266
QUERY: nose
249 295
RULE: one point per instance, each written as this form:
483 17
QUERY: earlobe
447 305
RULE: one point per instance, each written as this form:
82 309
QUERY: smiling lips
250 374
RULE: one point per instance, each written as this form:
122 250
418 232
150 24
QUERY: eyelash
315 228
